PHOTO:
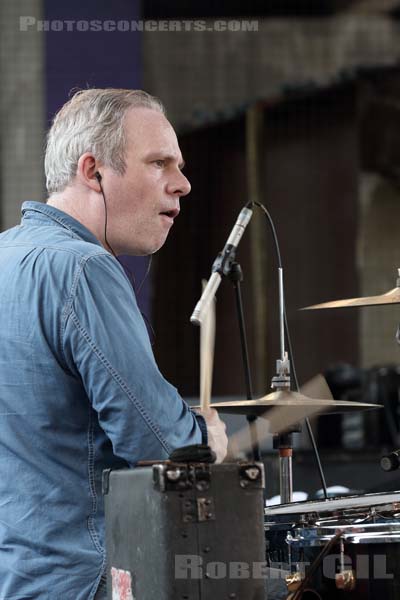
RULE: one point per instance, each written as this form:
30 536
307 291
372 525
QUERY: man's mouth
174 212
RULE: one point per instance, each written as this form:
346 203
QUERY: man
79 388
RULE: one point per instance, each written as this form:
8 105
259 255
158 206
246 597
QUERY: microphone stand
235 275
225 264
281 382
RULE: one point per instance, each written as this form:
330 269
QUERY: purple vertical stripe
76 58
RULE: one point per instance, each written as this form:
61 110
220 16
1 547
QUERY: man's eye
159 163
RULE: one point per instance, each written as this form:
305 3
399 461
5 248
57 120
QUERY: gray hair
91 121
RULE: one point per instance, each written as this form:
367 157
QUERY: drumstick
317 387
207 341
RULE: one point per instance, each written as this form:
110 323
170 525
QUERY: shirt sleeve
105 343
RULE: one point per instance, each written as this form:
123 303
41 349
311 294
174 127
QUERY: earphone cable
126 269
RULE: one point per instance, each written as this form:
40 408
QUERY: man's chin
147 250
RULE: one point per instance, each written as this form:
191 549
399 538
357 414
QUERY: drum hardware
306 580
294 581
354 535
346 578
284 398
281 383
330 525
262 406
391 462
333 509
235 275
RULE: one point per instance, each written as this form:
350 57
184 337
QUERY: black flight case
185 531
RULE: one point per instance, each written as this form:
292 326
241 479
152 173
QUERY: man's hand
216 429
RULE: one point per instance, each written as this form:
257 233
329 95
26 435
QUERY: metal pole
286 475
236 276
281 314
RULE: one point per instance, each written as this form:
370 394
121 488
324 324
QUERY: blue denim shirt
79 392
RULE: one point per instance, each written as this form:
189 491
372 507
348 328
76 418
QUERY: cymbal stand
281 382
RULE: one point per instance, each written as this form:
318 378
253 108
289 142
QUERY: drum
350 544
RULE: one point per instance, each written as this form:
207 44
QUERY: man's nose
180 185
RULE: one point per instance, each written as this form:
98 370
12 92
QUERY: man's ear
86 172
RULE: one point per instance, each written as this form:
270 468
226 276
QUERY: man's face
142 203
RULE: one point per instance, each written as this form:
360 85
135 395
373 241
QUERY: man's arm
105 343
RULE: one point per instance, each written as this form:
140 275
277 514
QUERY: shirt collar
58 216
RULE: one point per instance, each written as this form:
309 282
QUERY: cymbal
392 297
289 400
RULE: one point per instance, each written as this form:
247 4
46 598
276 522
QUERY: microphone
391 462
222 264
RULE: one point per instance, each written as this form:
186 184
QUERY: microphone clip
223 263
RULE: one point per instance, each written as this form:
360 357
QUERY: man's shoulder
55 250
78 249
82 258
55 240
